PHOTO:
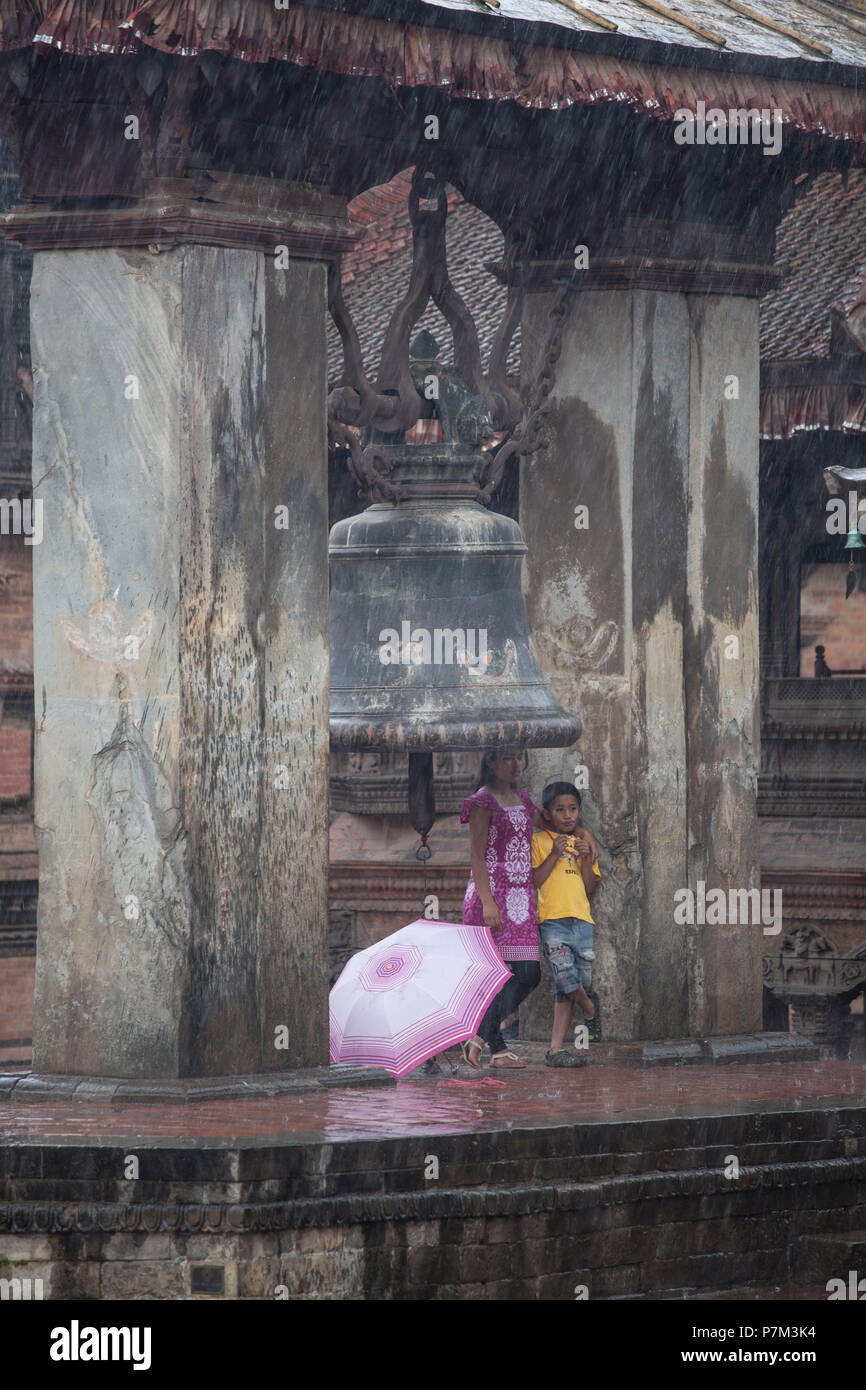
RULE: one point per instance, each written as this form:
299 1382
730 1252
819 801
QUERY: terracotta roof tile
821 247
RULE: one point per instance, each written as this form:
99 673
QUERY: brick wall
16 606
16 1000
826 616
15 760
18 860
16 666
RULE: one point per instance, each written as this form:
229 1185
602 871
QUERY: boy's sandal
593 1025
465 1049
506 1059
563 1058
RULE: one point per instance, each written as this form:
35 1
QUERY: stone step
744 1050
25 1087
683 1155
742 1293
18 1085
831 1255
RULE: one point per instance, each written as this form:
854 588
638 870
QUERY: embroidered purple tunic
509 868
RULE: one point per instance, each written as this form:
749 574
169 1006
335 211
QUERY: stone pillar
722 657
645 618
181 656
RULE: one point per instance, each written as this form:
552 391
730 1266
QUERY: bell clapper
422 808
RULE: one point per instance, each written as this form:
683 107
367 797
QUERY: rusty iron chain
527 437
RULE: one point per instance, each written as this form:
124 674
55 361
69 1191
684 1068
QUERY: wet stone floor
451 1104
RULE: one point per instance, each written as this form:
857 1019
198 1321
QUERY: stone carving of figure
813 956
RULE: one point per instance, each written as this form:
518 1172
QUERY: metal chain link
547 375
525 439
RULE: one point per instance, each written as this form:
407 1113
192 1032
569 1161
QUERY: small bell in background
854 542
837 479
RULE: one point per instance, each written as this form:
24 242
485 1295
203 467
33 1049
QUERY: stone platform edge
736 1049
23 1087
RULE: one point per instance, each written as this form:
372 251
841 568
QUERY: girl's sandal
466 1048
512 1062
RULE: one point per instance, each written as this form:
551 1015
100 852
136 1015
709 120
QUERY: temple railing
820 702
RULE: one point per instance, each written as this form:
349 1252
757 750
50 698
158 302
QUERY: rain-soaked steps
737 1202
826 1256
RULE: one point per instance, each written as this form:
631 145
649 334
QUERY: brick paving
419 1105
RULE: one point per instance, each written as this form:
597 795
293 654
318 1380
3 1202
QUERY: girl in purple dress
500 894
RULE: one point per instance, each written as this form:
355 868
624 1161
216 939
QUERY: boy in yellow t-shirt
565 875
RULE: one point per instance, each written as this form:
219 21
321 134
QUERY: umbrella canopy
416 993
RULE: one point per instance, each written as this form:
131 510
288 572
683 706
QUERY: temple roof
820 29
802 57
256 30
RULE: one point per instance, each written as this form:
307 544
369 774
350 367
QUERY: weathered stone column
181 655
644 610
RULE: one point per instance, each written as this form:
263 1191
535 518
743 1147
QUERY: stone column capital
158 153
641 253
245 212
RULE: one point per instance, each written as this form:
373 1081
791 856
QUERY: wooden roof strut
812 45
830 12
707 34
589 15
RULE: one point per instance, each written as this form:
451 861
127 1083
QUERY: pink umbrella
416 993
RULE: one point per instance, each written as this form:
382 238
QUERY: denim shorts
567 946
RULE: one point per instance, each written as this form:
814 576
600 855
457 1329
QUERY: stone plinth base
746 1049
15 1086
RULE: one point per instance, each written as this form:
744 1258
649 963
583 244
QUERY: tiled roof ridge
821 247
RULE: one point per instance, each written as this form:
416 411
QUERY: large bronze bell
430 643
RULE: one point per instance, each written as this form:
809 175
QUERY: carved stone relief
375 782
